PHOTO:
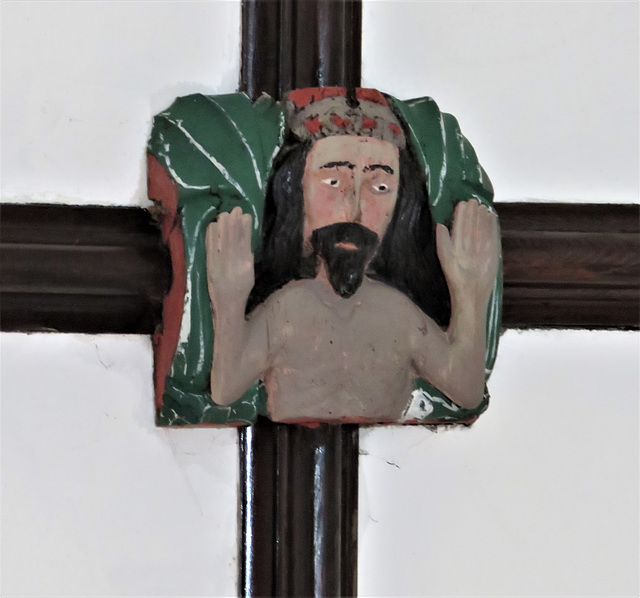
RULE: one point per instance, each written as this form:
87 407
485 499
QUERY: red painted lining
163 191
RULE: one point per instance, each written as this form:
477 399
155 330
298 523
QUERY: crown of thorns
317 112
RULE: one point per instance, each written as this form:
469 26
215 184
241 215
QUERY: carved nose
352 206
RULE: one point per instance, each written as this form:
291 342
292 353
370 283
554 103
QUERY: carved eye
381 188
335 183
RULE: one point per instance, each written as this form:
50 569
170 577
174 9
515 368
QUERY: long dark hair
406 258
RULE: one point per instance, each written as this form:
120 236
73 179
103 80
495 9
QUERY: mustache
325 238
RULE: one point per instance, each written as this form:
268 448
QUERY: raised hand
230 275
469 255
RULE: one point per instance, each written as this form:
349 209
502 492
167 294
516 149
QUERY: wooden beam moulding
570 265
288 44
102 269
99 270
298 511
77 269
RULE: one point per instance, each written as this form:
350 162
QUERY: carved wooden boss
335 259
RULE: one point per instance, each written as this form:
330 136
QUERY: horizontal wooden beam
102 269
81 269
570 265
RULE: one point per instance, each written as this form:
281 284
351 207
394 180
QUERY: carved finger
212 251
233 231
476 233
496 228
210 237
241 235
485 224
489 243
465 229
457 230
235 215
223 232
443 245
488 228
245 232
495 235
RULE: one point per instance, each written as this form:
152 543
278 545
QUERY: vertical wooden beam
260 49
287 44
299 486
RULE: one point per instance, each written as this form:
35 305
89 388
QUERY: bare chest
344 359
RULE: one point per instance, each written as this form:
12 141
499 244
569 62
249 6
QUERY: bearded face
345 249
405 257
350 188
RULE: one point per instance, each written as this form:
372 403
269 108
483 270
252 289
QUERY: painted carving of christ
357 293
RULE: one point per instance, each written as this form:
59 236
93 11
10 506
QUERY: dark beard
345 267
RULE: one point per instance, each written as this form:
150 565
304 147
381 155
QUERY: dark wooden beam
98 270
300 486
287 44
570 265
101 269
76 269
299 499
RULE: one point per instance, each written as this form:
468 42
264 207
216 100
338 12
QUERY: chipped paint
237 154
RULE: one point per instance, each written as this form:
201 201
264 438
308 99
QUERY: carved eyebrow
336 164
384 167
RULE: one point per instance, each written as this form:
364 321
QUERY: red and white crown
317 112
